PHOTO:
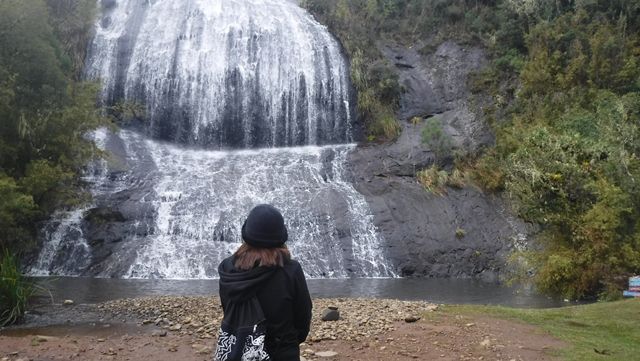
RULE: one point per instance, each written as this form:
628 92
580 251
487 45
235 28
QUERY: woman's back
262 272
283 295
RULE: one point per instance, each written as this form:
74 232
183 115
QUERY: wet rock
418 228
330 315
108 4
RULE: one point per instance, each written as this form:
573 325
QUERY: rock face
436 85
464 233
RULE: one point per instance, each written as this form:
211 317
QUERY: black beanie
264 227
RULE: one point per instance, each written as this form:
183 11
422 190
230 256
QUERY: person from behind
261 285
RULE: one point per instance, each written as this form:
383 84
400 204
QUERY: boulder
330 315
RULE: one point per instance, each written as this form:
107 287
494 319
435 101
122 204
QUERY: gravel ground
185 328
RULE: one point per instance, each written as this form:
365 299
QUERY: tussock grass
15 290
436 181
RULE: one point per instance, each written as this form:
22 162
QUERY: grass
436 181
601 331
15 291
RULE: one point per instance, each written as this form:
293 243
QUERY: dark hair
247 257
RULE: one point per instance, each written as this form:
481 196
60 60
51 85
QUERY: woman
262 267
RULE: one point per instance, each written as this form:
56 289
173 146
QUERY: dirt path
441 337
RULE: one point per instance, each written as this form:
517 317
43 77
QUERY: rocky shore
359 320
185 328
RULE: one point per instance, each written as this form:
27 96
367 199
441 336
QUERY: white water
225 73
198 200
217 74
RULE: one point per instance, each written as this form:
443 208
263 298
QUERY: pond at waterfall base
440 291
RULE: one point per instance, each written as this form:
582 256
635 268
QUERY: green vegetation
14 291
436 180
601 331
569 151
565 83
436 139
45 112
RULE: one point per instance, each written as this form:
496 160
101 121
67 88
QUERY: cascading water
212 74
225 73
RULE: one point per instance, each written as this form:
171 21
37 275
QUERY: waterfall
224 73
247 102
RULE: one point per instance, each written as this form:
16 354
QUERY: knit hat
264 227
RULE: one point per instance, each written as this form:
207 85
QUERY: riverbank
184 328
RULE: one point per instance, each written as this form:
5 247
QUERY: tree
45 114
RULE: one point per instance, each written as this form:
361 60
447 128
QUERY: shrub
15 291
434 137
385 125
433 179
488 172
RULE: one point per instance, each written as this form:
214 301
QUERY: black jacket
284 299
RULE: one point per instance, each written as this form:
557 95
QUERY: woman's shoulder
292 266
227 264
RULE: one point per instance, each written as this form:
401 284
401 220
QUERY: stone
330 315
40 338
368 319
159 333
68 302
485 343
326 354
206 350
411 319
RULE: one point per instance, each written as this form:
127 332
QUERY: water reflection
449 291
